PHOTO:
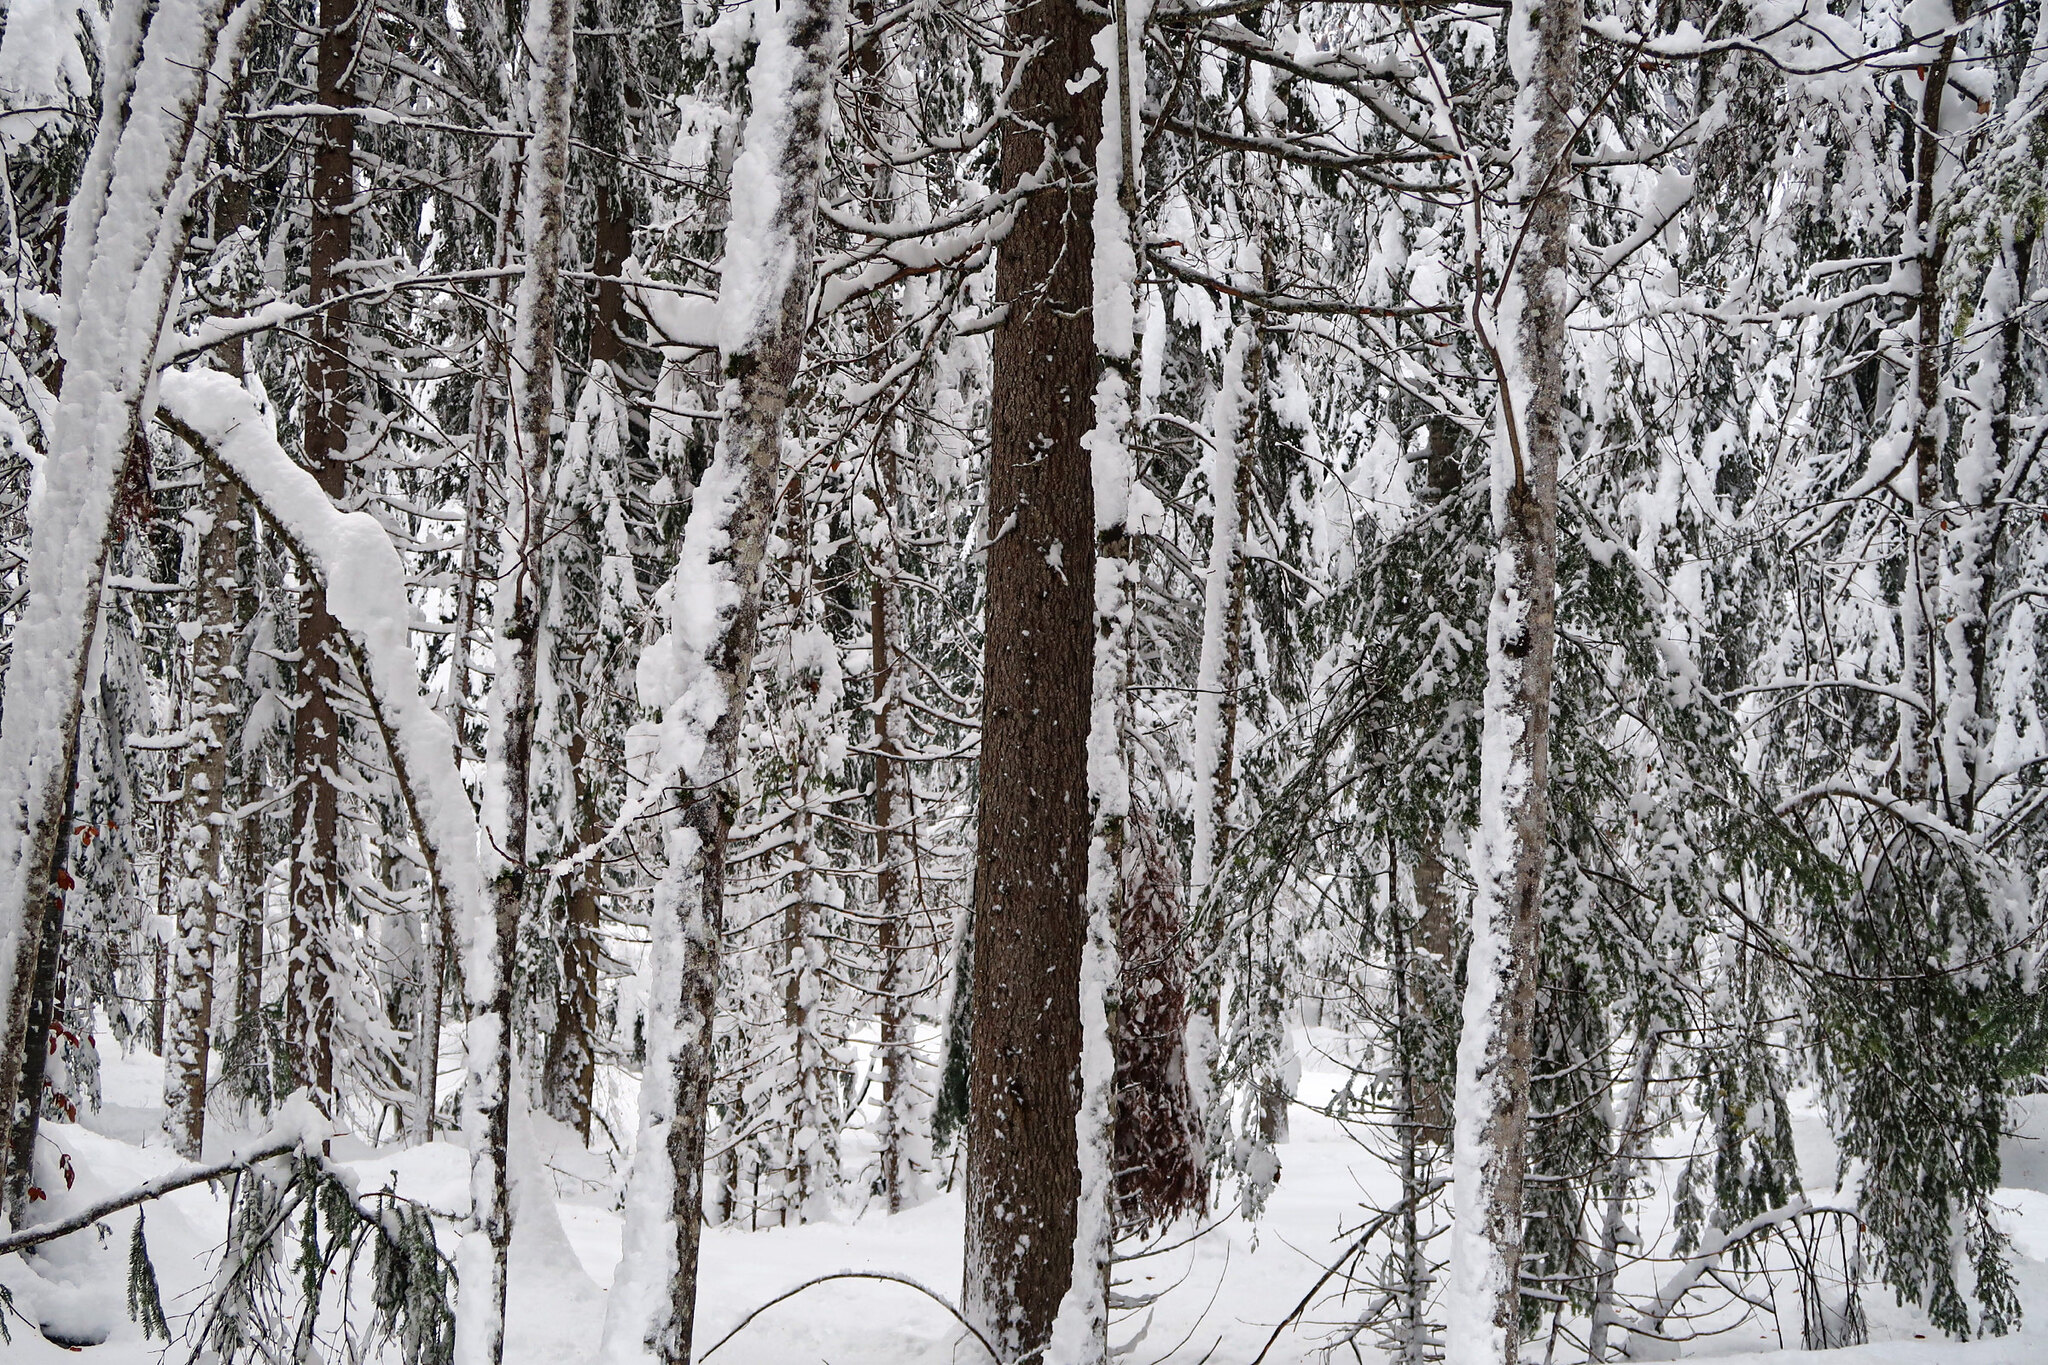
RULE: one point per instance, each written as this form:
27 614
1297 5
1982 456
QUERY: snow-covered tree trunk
310 992
698 673
469 585
893 844
1233 449
1080 1334
1630 1139
519 603
895 849
1972 530
204 858
1926 433
1482 1306
164 84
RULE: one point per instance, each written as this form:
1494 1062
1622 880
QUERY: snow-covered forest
1053 681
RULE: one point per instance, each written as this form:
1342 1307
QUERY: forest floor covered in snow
1226 1290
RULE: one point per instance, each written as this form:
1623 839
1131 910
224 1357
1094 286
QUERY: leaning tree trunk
520 605
126 232
708 660
1482 1306
1032 837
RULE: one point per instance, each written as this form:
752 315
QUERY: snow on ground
1226 1290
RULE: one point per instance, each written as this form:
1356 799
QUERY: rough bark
1429 982
316 725
519 607
1033 824
569 1072
35 1053
764 306
1482 1307
205 852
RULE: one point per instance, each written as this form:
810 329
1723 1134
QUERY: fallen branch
1649 1324
940 1299
286 1137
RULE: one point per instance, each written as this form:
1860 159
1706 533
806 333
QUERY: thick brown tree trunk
316 726
1033 831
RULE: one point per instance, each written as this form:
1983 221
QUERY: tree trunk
316 725
1629 1138
1482 1306
1032 835
893 851
1080 1332
519 607
1430 980
569 1073
1230 482
764 306
204 857
35 1053
894 847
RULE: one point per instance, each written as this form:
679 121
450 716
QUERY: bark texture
764 302
205 854
520 603
1483 1305
1032 839
316 725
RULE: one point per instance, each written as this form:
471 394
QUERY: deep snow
1228 1288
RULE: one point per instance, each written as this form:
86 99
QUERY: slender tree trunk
764 303
35 1054
1031 853
1491 1112
1621 1176
204 857
1925 779
520 606
126 231
1430 980
316 726
476 510
207 846
1235 445
1080 1334
1415 1276
569 1074
894 848
893 852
